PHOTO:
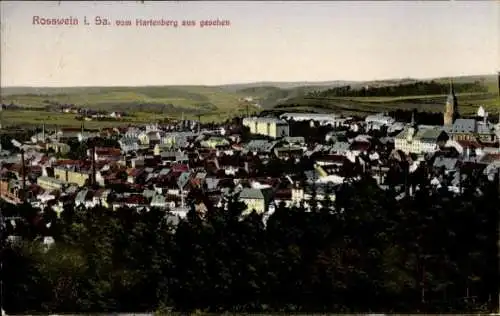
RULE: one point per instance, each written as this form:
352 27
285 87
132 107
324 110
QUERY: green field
467 103
216 103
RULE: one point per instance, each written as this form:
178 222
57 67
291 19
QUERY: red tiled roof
360 146
134 199
332 158
283 194
108 151
180 168
469 143
134 172
70 129
172 198
68 162
490 157
35 189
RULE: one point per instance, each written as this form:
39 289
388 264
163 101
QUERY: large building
267 126
324 119
451 108
379 119
470 129
420 141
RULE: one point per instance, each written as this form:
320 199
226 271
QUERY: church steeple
451 109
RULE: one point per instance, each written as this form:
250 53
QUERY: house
133 201
128 144
72 174
106 154
379 119
161 202
50 184
340 148
323 119
289 151
271 127
133 174
466 148
84 198
82 136
296 140
116 115
257 199
283 196
359 147
215 142
331 160
11 190
58 147
149 138
446 164
65 134
100 197
259 146
161 148
178 139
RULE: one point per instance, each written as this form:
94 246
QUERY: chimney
23 172
216 161
247 169
43 132
93 165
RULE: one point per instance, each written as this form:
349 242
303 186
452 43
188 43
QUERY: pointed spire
413 118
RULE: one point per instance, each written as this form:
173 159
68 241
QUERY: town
269 163
158 165
279 158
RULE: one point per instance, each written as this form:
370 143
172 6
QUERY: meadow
218 103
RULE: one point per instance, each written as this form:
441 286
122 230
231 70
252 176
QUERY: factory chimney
93 166
23 174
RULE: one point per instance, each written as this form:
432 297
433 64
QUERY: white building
267 126
323 119
481 112
379 119
420 141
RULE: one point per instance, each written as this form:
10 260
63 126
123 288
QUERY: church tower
451 109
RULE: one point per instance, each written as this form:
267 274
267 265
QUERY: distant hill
231 98
285 85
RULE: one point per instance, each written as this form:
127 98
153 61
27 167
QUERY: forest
364 251
406 89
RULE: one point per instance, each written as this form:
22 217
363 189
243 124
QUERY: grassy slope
217 103
468 102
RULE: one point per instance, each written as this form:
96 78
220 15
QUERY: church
451 108
466 129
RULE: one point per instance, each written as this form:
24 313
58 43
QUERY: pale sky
278 41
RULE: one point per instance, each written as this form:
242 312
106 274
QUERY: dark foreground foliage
436 252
